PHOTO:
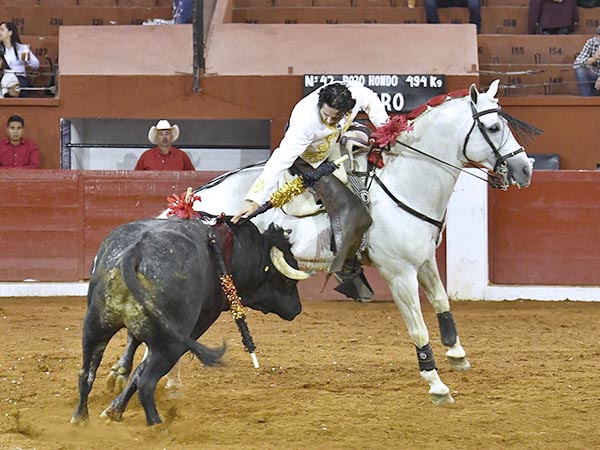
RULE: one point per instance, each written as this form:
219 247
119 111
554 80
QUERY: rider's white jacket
312 139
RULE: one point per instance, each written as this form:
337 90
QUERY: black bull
160 279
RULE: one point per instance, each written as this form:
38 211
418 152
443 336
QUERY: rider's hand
249 209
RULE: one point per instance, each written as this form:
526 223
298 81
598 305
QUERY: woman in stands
16 54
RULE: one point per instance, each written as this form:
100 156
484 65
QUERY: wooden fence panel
548 233
40 233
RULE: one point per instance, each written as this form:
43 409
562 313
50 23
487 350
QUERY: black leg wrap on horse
426 359
447 328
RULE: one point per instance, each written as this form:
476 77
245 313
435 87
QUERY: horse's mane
435 101
523 131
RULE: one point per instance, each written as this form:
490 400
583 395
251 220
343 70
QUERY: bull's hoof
112 414
111 380
121 383
459 363
79 420
117 378
441 399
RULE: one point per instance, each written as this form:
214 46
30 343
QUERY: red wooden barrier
548 233
52 222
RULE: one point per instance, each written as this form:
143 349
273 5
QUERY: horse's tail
130 264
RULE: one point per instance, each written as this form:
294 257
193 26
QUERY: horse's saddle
305 204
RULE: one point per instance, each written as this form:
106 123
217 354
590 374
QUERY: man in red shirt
16 152
164 156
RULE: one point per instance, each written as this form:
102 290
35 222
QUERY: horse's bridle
500 180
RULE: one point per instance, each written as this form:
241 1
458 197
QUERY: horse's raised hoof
441 399
461 364
112 414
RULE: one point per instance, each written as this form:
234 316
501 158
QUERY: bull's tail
129 270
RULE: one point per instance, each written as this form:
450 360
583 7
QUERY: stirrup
354 285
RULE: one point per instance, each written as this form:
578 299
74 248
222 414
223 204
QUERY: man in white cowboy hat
164 156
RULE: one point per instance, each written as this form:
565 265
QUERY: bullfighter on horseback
316 125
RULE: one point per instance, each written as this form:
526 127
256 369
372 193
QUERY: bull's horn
282 266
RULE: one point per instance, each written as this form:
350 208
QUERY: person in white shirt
16 54
316 125
9 81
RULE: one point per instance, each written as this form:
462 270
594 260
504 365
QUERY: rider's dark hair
337 96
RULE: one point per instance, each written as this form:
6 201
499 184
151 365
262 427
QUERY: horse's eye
494 128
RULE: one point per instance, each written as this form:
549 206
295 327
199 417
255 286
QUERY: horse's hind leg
405 291
430 281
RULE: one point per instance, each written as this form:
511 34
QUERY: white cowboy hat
163 125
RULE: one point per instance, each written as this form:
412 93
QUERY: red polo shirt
153 159
23 156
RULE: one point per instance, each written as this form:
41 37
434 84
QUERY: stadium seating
503 44
526 64
530 65
39 22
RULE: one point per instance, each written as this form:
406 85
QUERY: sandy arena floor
341 376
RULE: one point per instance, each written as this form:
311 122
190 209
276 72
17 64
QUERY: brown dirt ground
341 376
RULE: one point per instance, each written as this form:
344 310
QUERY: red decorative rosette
387 134
375 158
182 206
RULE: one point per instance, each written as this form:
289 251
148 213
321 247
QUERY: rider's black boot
353 283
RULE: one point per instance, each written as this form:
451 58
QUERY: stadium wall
539 243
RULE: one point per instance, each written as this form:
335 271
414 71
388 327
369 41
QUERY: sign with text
399 93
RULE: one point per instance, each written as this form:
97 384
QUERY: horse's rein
460 169
498 178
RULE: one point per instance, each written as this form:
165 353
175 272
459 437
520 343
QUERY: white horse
419 174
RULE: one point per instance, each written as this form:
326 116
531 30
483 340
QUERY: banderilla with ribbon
234 300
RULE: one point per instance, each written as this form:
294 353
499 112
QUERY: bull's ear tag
266 269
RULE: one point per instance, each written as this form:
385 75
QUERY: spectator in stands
16 152
9 81
431 7
16 54
164 156
587 67
552 16
183 11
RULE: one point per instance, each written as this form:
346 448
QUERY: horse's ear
473 93
493 89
